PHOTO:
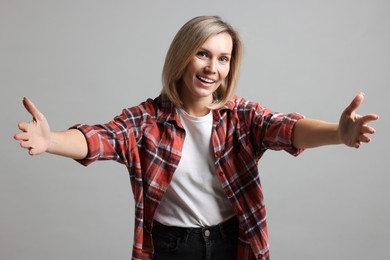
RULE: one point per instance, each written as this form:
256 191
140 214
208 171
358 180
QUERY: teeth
206 79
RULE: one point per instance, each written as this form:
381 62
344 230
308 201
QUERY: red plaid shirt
148 140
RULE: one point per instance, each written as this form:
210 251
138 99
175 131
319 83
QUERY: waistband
220 231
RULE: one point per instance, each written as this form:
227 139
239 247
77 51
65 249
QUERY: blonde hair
184 46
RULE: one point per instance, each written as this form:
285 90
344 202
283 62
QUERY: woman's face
207 70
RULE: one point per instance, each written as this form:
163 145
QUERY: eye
202 54
224 59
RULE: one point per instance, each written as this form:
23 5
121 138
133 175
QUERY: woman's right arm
37 137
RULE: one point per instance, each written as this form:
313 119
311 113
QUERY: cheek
225 72
187 72
190 69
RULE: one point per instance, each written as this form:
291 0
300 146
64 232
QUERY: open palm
353 128
35 135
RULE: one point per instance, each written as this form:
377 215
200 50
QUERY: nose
211 66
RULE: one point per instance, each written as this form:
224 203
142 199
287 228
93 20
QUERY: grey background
85 60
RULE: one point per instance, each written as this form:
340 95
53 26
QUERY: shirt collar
167 111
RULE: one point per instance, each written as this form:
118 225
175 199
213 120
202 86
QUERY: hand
35 135
353 128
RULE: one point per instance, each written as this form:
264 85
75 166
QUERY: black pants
216 242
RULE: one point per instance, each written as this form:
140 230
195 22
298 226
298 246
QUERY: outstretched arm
351 130
37 137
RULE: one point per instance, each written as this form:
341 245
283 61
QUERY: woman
192 152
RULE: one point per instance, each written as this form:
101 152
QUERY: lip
205 80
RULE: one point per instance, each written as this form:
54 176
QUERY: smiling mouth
205 80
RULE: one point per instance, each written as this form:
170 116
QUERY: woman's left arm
351 130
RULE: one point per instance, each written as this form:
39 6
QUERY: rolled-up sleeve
110 141
278 131
93 143
271 130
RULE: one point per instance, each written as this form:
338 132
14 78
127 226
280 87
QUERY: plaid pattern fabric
148 140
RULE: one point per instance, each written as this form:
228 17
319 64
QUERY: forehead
219 43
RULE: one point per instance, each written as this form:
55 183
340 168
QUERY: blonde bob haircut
186 43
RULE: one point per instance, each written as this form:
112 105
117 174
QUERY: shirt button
217 154
207 233
220 174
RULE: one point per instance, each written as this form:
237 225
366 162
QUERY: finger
367 130
364 139
357 144
32 109
22 136
23 126
32 151
355 103
369 118
25 144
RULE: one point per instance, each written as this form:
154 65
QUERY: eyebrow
208 51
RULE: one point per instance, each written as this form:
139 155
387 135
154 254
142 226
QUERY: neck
197 106
196 110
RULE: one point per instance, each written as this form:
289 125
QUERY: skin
205 72
203 75
37 137
351 130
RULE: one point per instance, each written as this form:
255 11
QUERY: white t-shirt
195 197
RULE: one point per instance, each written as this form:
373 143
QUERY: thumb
355 104
32 109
